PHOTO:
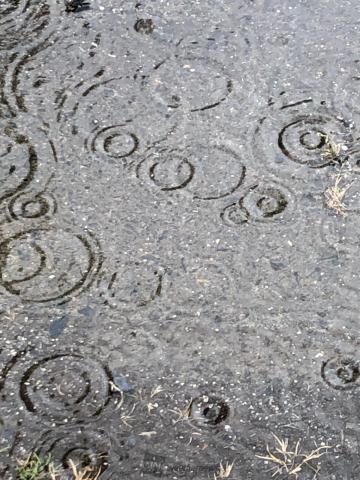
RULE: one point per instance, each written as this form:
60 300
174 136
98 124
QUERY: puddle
179 225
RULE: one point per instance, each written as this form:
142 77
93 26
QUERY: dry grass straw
224 470
85 473
292 461
333 149
334 196
183 414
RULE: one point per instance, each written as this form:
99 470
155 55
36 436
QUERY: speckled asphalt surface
174 288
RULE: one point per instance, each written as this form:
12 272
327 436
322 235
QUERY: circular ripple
133 286
60 388
265 202
22 21
341 373
21 157
28 206
19 162
208 411
192 83
171 171
304 141
232 215
65 386
115 141
122 119
144 25
44 265
207 172
292 139
86 448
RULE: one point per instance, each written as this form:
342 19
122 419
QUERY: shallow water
174 286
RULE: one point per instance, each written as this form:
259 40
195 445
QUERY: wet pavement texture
175 289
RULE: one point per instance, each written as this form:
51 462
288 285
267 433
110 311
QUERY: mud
175 289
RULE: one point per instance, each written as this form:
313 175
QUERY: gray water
179 225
